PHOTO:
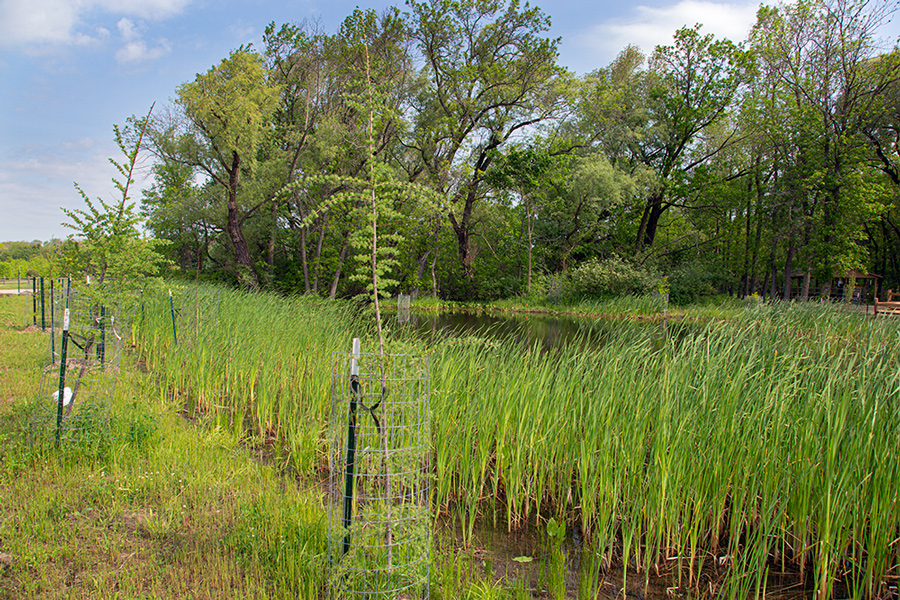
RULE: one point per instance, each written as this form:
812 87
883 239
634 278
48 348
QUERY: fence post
43 312
351 444
52 324
62 376
172 308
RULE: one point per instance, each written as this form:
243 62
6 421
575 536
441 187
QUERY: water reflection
548 331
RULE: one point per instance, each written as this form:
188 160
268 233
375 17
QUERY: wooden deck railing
891 306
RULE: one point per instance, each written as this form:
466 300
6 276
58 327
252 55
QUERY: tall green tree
526 171
320 127
822 53
664 118
489 74
224 118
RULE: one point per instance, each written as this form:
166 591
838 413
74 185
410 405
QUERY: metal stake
62 375
52 324
172 307
43 312
351 444
102 349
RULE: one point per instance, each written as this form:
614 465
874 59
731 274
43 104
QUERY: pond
550 331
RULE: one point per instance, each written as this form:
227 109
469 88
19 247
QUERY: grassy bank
168 501
158 508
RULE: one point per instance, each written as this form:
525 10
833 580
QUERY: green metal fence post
43 311
172 308
62 376
52 324
102 337
351 444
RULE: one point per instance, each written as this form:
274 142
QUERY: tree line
733 167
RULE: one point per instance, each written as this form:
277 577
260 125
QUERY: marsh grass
256 364
716 448
170 508
767 436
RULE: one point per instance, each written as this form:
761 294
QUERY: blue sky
70 69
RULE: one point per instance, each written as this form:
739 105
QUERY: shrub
692 282
609 278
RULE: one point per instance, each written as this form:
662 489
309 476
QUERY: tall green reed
764 440
715 443
252 362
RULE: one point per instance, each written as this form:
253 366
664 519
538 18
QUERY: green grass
162 508
734 441
166 503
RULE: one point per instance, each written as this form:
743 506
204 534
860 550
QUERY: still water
548 331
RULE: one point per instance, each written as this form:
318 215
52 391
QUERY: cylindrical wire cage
379 535
86 343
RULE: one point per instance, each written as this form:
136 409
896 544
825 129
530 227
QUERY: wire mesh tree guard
195 311
86 345
379 535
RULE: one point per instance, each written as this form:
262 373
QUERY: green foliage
694 281
761 156
376 199
106 246
28 259
608 278
232 104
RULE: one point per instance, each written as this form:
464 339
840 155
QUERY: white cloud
37 182
127 30
137 51
62 22
243 31
648 27
153 10
38 21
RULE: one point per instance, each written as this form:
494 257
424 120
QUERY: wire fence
86 344
380 533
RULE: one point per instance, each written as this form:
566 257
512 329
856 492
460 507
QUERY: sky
71 69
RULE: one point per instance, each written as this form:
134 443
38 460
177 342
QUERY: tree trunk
304 262
530 237
242 252
420 272
317 258
434 287
270 250
337 272
464 244
754 261
304 258
463 227
788 267
650 220
773 292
